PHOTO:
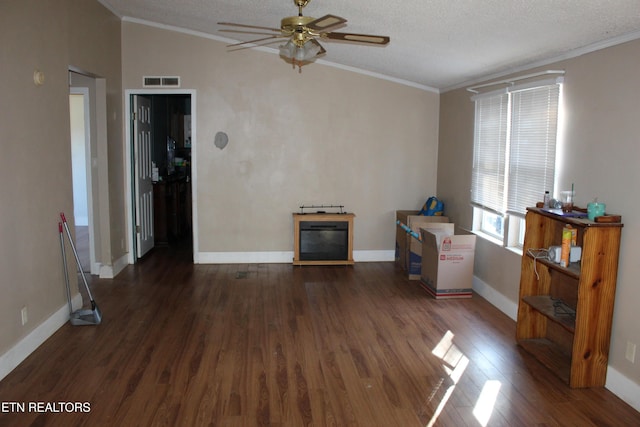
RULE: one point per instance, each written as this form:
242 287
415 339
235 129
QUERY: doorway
80 137
87 96
171 160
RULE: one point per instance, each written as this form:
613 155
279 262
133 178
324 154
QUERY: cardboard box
416 247
447 263
409 249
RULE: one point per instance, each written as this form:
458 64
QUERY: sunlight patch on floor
486 402
455 363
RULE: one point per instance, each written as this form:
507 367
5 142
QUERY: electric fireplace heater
324 240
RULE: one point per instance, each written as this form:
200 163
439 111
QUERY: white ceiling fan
302 34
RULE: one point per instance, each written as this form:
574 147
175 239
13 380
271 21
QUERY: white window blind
489 155
515 146
532 159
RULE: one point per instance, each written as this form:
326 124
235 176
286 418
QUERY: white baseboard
120 265
244 257
95 268
374 256
280 257
16 354
111 271
503 303
623 387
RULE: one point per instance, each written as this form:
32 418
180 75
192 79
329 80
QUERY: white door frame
99 169
129 196
84 91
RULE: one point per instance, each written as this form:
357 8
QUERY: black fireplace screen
324 240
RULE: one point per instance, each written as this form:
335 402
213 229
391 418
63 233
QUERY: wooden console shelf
565 313
299 221
547 306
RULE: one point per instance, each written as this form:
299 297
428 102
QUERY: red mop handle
63 217
60 227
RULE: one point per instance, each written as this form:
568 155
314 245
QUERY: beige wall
36 172
94 48
325 136
601 152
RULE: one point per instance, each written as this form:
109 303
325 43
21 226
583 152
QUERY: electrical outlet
25 315
631 352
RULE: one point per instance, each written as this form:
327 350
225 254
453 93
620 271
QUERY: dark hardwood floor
273 344
82 247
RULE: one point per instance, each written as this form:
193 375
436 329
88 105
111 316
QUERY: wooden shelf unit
320 217
576 348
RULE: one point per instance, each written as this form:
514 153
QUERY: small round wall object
38 78
221 140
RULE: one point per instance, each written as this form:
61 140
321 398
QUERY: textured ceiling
437 44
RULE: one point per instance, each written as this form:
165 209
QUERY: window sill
488 237
515 249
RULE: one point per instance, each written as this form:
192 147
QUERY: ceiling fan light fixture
306 52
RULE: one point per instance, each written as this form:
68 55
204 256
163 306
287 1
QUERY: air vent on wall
160 81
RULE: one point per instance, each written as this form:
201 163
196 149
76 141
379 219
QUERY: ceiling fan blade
248 32
248 26
327 21
360 38
322 49
275 40
255 41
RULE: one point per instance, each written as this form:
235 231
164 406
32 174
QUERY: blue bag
432 207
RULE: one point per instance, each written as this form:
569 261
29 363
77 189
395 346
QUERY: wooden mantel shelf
322 217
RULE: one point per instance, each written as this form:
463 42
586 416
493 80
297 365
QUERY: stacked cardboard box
408 248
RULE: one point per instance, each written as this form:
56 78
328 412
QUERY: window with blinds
532 155
490 153
515 146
